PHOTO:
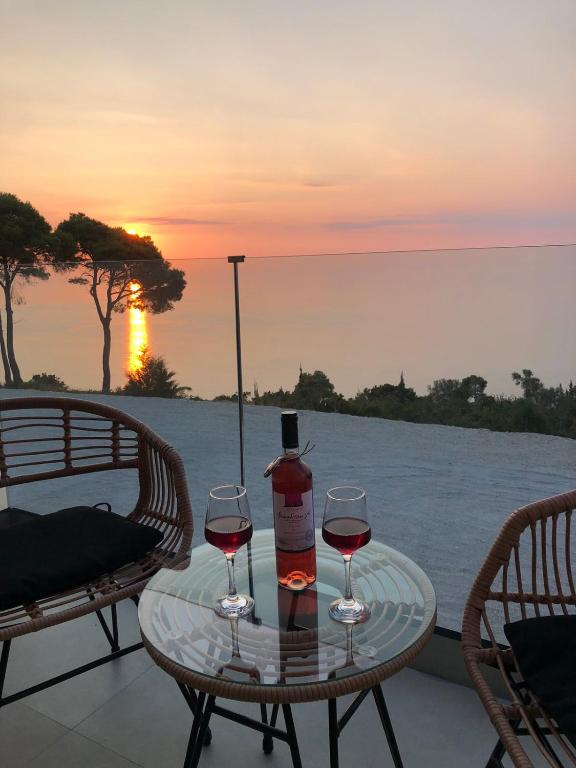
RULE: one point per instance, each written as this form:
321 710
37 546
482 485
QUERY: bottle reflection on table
298 632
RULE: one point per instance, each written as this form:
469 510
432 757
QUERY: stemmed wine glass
346 528
229 526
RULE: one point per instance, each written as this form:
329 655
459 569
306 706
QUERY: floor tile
148 722
40 655
74 751
24 734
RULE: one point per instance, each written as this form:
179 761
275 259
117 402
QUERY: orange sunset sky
267 127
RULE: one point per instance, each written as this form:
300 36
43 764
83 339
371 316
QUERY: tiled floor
129 713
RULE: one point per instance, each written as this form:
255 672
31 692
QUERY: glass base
234 607
349 611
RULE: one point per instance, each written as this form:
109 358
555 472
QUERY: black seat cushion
49 554
14 516
545 649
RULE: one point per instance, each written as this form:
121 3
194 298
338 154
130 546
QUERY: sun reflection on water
138 332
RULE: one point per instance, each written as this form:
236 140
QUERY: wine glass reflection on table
228 527
346 528
350 664
237 668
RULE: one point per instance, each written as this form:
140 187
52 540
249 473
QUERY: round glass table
288 650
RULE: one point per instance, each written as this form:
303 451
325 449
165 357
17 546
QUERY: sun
132 231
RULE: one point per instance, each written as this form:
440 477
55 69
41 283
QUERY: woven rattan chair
528 572
43 438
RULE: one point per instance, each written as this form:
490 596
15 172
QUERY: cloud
499 220
393 221
290 180
176 221
319 183
467 220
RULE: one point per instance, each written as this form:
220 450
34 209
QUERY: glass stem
235 646
348 596
232 595
349 657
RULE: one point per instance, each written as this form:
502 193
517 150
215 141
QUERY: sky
267 127
271 128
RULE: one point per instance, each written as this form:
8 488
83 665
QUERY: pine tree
153 379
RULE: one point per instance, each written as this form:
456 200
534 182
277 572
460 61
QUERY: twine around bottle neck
288 457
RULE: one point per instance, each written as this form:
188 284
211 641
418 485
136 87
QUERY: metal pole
239 260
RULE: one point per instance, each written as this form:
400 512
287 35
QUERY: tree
445 390
112 263
473 388
45 381
26 248
232 398
153 379
531 385
313 390
399 392
281 399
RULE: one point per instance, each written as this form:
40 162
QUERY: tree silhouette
442 390
153 379
473 388
111 263
26 248
48 382
315 391
531 385
399 392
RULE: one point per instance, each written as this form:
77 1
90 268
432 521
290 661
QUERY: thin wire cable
355 253
413 250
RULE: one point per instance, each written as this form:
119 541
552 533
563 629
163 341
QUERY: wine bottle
293 511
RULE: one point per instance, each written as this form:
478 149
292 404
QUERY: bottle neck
291 452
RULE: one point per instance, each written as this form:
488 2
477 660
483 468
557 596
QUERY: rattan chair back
529 571
44 438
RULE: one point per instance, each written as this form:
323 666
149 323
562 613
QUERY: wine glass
346 528
229 526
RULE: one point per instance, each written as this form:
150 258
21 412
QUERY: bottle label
294 520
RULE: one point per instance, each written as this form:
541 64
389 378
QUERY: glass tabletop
289 639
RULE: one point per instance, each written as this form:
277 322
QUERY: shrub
153 379
47 382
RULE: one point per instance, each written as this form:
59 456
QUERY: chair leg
4 665
111 636
495 759
116 645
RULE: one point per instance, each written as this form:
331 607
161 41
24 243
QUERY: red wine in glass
346 534
345 527
228 533
228 526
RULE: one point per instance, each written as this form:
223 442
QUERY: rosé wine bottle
293 512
